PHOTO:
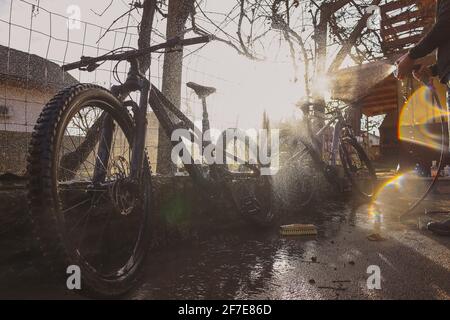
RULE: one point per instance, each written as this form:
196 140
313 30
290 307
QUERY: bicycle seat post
202 92
205 124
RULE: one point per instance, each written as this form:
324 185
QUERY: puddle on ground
238 264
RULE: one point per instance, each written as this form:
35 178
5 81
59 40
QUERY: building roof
31 71
370 86
353 83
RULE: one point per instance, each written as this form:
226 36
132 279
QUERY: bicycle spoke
100 243
75 206
85 215
75 148
83 232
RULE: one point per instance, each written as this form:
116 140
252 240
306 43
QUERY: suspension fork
135 81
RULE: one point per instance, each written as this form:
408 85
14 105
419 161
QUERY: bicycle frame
135 82
158 102
162 108
138 82
340 123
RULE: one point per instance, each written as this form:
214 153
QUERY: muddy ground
241 263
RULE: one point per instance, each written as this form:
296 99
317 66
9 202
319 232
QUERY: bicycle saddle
201 91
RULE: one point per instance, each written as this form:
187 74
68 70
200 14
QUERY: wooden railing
404 23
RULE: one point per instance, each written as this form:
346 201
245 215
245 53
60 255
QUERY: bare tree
313 32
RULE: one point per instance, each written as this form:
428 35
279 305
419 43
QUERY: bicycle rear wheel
329 172
253 199
296 181
358 168
251 192
303 183
100 225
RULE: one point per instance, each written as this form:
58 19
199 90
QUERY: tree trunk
327 9
178 13
145 32
320 37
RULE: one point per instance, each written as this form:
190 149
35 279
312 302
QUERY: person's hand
423 74
405 65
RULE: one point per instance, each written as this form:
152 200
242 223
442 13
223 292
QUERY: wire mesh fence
36 41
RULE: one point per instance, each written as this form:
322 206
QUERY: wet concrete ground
243 264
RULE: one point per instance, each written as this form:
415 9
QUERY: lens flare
420 123
397 195
420 119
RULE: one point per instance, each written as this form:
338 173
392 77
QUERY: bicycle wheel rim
93 265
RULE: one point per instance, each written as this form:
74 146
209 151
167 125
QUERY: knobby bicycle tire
42 188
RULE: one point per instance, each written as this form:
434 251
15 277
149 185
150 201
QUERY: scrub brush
298 230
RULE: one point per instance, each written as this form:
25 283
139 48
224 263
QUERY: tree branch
350 42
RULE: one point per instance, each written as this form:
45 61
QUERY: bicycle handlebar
90 63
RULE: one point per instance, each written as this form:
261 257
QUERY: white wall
24 107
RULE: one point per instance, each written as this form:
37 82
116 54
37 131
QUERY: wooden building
411 124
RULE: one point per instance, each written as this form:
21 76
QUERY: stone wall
179 211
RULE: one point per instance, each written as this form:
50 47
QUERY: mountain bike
357 167
90 191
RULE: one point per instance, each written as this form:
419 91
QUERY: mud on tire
44 204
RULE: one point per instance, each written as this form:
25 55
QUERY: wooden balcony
404 23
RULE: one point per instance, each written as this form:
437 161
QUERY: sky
245 88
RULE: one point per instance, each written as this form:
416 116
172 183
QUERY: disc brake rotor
122 191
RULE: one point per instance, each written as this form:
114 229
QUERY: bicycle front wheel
358 168
86 210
